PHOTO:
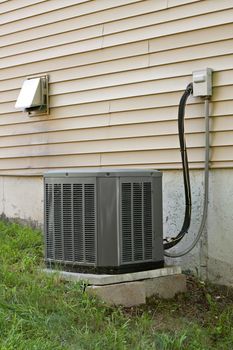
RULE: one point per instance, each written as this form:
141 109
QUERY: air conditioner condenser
104 221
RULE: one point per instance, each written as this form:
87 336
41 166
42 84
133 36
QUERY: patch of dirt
202 303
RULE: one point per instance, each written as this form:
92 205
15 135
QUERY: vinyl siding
117 70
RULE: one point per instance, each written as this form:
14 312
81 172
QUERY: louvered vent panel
67 222
90 208
49 221
78 212
147 219
136 221
126 216
58 240
71 222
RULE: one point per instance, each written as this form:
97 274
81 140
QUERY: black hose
171 242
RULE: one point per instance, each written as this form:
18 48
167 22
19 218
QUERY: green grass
42 312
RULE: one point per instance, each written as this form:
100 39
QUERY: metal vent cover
70 211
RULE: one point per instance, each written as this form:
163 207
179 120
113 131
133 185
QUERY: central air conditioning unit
107 221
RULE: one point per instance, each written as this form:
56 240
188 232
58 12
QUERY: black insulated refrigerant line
172 241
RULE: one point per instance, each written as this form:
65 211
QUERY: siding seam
111 34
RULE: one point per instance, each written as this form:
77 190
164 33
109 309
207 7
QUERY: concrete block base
165 287
104 279
131 288
135 293
125 294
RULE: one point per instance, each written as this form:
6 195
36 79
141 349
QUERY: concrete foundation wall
212 258
220 227
22 197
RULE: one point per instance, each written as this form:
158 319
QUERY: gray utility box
104 221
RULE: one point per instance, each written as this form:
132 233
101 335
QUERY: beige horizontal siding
83 15
121 38
126 26
127 79
14 5
159 157
37 136
99 133
140 116
68 9
117 71
149 77
129 143
78 22
120 99
101 61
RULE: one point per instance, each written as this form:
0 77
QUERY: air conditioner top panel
100 172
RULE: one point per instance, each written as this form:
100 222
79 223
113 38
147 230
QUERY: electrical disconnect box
106 220
202 83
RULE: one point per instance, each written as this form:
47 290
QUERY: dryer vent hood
33 95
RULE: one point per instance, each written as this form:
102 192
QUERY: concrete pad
165 287
135 293
100 280
125 294
131 289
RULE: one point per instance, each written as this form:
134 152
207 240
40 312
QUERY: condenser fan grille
136 221
70 211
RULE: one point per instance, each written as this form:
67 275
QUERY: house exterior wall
117 70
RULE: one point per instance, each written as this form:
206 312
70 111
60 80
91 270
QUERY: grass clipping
42 312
